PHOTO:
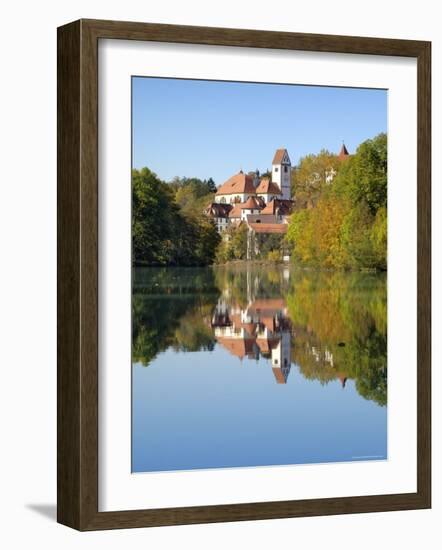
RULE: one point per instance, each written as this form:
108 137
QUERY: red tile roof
342 378
250 204
266 187
267 303
258 218
239 183
218 210
343 153
279 375
279 155
237 346
263 345
284 207
249 327
235 212
235 318
270 208
268 322
266 345
269 227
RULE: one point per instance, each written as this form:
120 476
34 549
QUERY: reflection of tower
249 283
281 357
260 329
342 379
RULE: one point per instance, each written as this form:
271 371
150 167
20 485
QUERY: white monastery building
254 200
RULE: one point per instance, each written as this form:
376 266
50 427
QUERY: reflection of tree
341 330
242 283
194 332
171 308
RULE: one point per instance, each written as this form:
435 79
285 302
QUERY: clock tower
281 172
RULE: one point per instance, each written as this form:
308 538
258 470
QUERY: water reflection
332 326
261 330
230 351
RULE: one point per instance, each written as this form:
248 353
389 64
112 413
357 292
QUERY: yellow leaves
316 233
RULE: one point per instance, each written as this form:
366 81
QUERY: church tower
281 172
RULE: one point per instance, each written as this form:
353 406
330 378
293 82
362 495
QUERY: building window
286 169
223 200
276 168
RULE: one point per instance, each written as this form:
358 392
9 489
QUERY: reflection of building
342 379
322 355
281 358
261 329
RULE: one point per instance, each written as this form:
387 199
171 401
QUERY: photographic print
259 274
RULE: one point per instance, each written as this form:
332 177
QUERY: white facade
268 197
247 211
234 198
221 224
281 174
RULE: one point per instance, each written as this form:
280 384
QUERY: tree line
339 222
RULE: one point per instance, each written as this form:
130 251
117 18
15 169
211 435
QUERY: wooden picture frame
78 274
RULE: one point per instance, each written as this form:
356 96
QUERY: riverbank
291 265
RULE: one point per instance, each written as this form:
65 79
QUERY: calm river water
255 365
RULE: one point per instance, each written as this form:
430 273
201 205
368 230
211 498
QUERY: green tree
239 242
343 223
356 230
165 233
207 242
363 178
211 185
379 237
153 213
233 245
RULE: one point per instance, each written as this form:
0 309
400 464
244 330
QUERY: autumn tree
379 237
233 245
363 178
342 222
311 176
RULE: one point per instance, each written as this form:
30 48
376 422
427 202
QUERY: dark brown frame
77 462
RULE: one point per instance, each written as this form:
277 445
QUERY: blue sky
213 129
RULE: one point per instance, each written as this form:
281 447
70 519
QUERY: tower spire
343 153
